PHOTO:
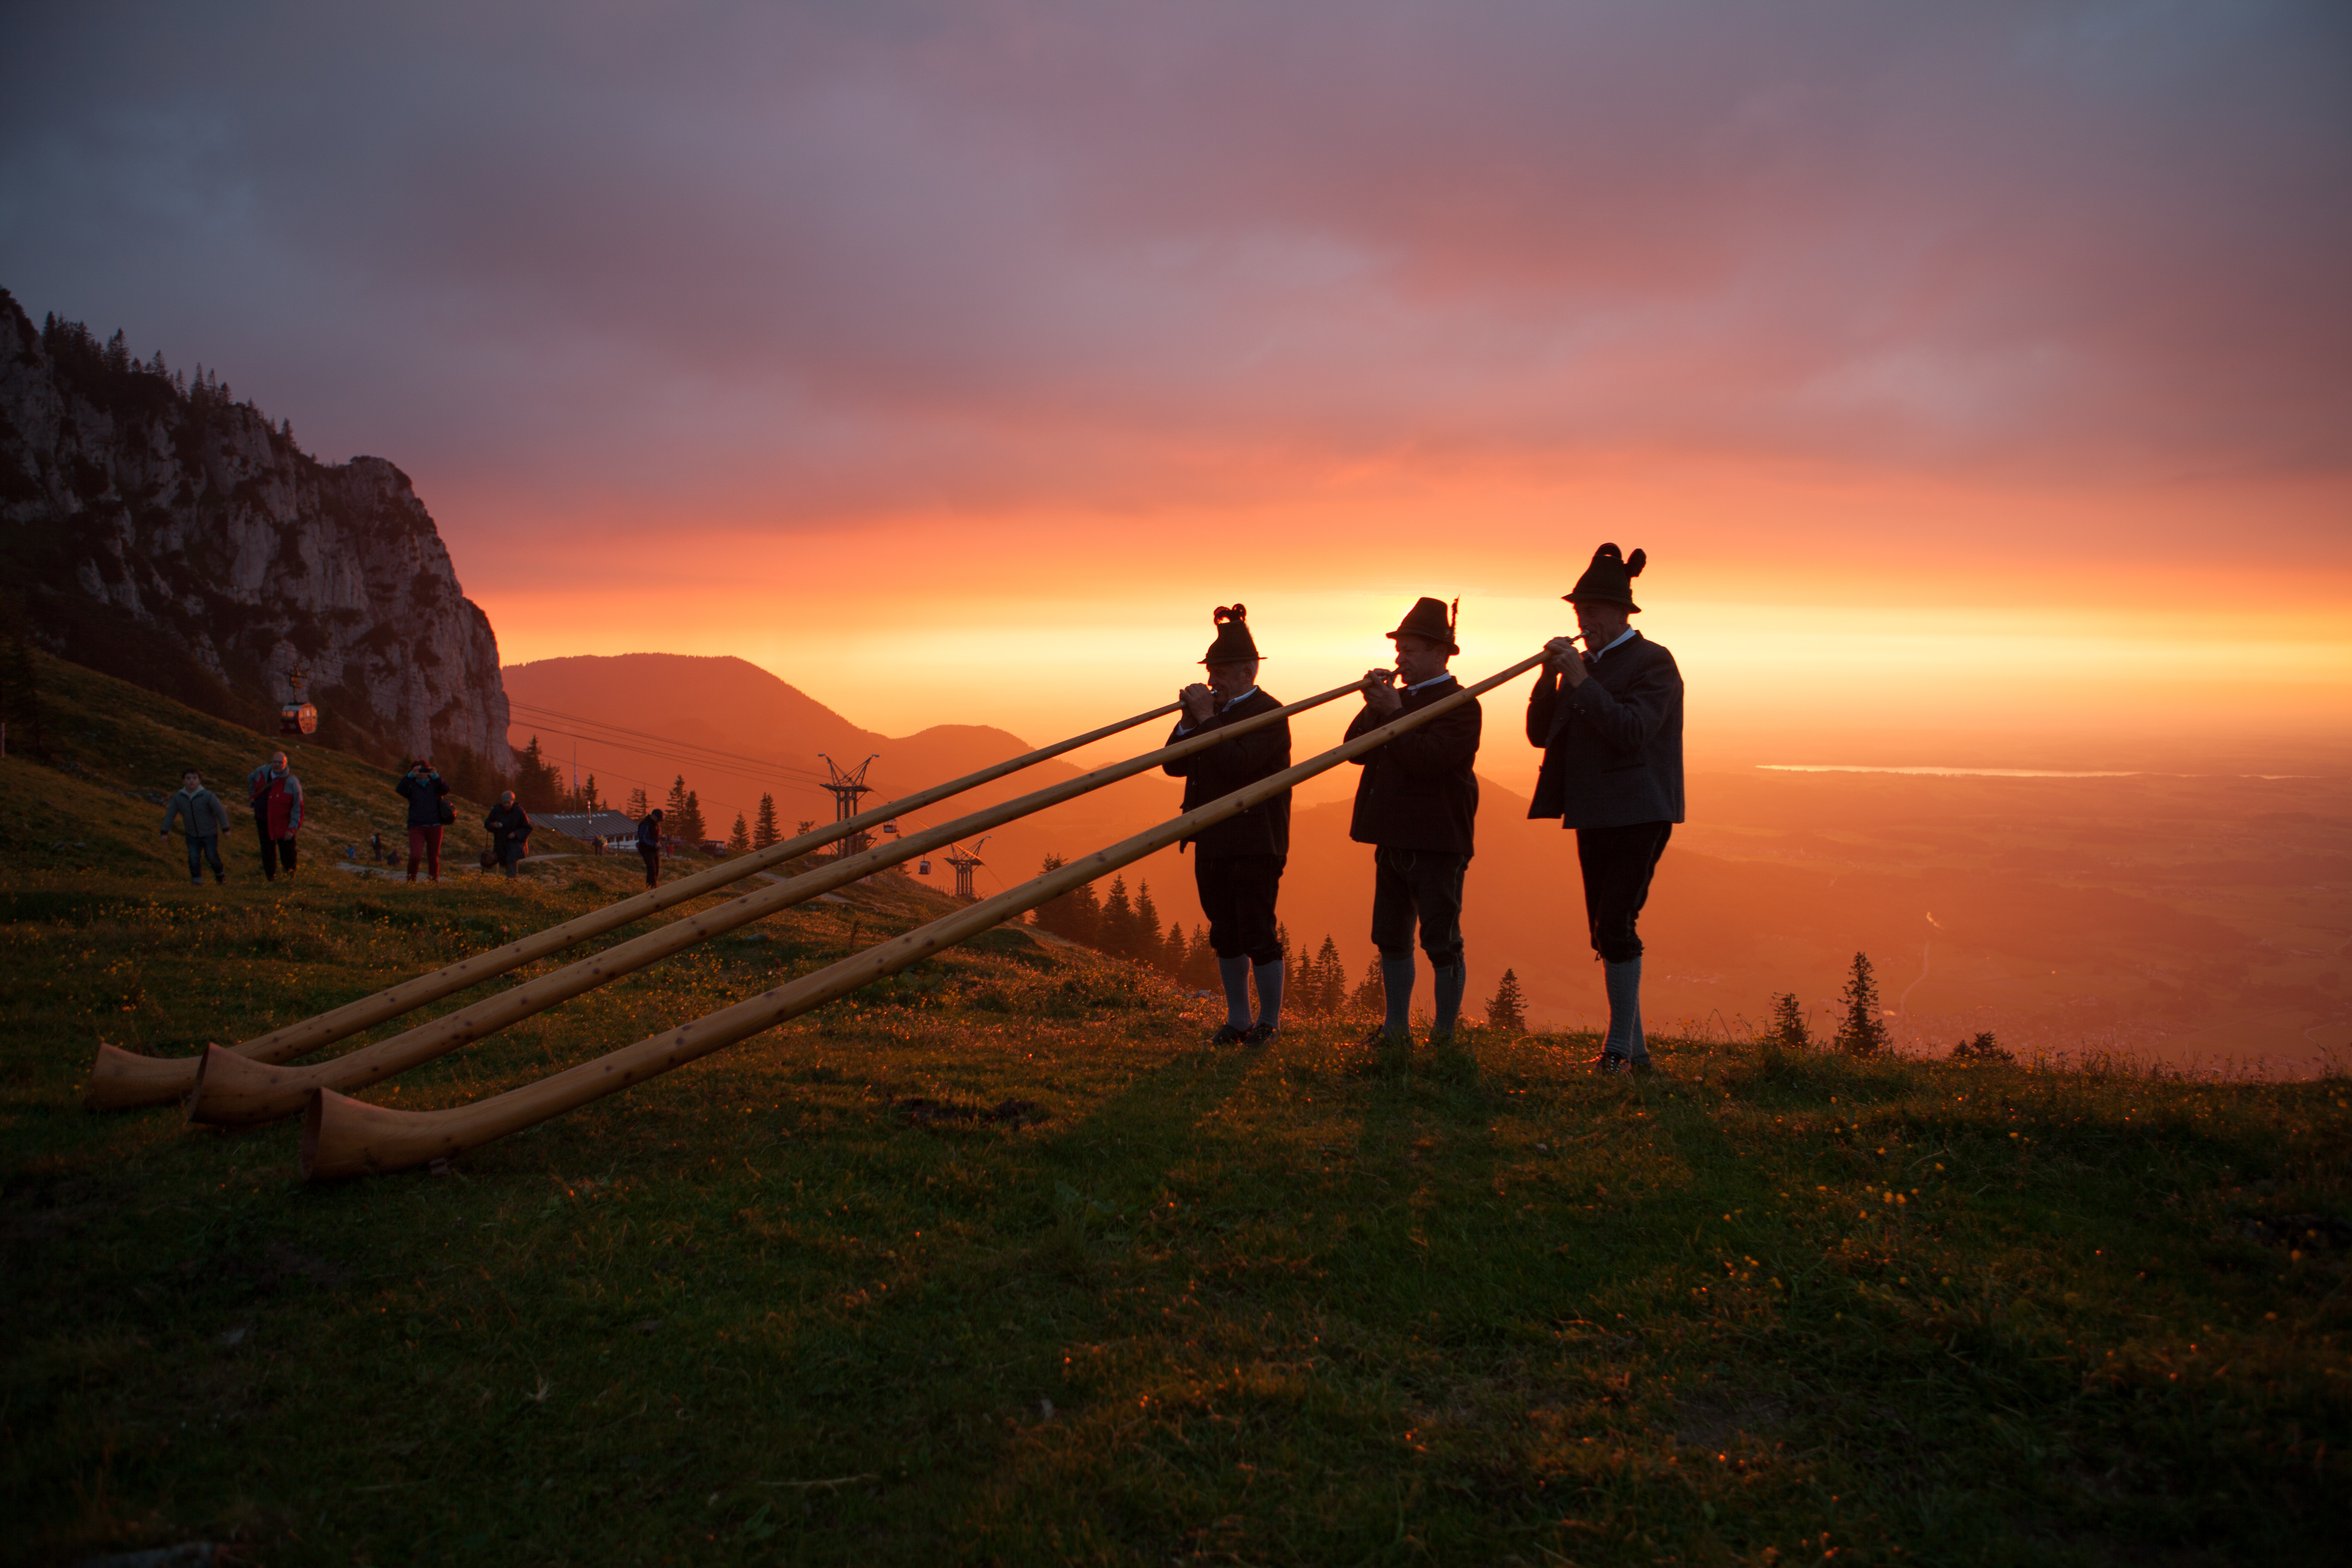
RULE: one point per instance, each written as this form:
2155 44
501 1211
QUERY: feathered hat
1233 644
1429 619
1609 579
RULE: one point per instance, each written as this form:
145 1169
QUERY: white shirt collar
1440 675
1243 698
1623 636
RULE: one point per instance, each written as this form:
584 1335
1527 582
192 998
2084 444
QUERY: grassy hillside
997 1262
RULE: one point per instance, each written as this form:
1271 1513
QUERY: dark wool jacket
1613 746
1264 828
423 798
1417 792
649 832
509 822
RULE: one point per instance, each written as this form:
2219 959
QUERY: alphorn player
1416 803
1237 863
1609 721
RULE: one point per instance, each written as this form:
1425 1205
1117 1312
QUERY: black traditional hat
1609 579
1233 645
1428 618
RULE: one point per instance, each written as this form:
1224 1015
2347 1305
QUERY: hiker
1417 802
649 844
428 813
206 819
276 799
1237 864
1610 723
509 827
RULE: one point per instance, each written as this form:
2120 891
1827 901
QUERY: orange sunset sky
1979 379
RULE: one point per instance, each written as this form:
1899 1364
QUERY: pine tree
1325 987
763 833
1787 1028
1200 972
1862 1033
1116 934
1507 1009
1075 916
739 841
674 808
638 805
538 785
1147 949
1282 938
1371 993
1173 953
588 799
692 828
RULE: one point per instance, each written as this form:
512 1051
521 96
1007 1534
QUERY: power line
679 749
752 770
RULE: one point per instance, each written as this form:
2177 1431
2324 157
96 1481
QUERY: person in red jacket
276 799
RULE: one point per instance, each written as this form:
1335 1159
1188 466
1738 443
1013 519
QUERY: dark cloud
997 255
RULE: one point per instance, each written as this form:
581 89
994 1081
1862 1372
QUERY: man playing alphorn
1416 803
1237 864
1609 721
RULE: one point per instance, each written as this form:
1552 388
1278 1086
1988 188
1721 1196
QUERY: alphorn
123 1080
236 1090
346 1137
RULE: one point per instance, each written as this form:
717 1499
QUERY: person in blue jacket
206 820
1610 723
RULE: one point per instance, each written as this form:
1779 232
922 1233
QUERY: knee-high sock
1236 974
1624 983
1396 980
1269 995
1451 980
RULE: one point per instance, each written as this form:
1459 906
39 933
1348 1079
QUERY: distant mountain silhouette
773 732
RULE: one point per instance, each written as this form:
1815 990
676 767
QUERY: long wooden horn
236 1090
345 1137
123 1080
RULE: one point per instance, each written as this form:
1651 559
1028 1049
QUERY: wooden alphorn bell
123 1080
233 1089
345 1137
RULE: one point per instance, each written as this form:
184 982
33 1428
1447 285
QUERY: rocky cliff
167 534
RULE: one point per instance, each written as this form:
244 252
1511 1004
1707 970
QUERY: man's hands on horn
1198 701
1566 659
1380 693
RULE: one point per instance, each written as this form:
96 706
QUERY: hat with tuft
1609 580
1430 619
1233 644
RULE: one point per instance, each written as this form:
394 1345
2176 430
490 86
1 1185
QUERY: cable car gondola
298 716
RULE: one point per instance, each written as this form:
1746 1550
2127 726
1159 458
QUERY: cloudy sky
1964 370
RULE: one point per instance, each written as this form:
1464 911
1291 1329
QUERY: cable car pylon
963 861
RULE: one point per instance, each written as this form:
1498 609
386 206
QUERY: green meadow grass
998 1262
